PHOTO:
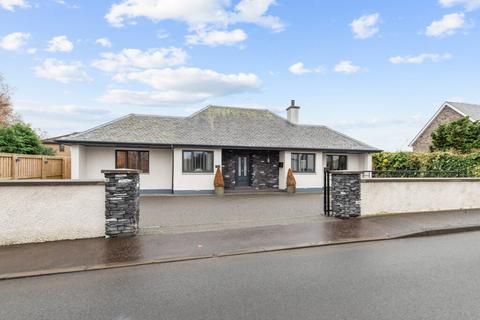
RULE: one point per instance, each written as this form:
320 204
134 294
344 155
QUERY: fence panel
5 166
21 166
29 167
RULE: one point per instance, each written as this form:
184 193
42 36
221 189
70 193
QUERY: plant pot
219 191
291 189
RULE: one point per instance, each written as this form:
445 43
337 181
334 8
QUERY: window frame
126 159
314 170
337 155
208 171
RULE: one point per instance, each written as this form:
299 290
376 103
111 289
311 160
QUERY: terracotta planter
291 189
219 191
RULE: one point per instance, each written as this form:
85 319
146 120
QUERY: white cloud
421 58
162 34
448 25
215 38
63 110
181 85
32 50
62 119
254 11
60 44
104 42
11 4
14 41
129 59
347 67
469 5
60 71
299 68
365 26
197 14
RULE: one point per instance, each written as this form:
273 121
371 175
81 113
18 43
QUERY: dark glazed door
242 171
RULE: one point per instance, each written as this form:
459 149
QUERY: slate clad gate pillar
345 193
122 197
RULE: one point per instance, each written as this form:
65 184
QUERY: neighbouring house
448 112
61 149
254 149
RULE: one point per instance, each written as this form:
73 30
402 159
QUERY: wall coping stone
433 179
53 182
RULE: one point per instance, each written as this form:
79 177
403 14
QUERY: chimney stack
292 112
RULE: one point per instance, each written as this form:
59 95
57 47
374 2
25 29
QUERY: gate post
345 192
122 197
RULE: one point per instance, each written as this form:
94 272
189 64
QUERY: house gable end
445 114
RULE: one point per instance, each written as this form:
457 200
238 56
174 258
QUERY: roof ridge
475 104
155 115
225 107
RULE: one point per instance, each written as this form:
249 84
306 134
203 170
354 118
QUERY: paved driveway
175 214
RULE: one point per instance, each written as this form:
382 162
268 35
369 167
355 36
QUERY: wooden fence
26 166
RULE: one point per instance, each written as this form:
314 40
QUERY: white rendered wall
355 161
304 180
195 181
401 195
78 162
97 159
44 212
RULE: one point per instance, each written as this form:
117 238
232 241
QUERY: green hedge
465 164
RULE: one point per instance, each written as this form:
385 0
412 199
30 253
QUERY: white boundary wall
37 211
402 195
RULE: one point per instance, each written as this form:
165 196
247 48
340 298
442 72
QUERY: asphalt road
421 278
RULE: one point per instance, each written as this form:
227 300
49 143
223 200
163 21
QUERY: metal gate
327 200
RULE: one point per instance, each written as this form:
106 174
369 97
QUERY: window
132 159
197 161
336 162
303 162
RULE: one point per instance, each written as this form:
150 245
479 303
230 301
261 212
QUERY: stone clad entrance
250 169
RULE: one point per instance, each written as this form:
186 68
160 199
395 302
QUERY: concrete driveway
177 214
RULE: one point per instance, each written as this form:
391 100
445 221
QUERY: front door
242 171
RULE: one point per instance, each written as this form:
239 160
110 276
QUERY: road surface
422 278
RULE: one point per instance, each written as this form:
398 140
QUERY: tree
7 116
21 138
461 135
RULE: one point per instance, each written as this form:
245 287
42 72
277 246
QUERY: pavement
415 278
99 253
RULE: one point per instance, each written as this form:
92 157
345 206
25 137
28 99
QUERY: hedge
464 164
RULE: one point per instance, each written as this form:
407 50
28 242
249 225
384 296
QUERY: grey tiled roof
219 126
471 110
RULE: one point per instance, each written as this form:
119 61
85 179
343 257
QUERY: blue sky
376 70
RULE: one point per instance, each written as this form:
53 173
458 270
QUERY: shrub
461 135
463 164
21 138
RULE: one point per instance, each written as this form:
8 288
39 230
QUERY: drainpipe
173 168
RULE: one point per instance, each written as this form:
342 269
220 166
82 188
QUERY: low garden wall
402 195
46 210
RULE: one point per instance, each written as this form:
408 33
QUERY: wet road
421 278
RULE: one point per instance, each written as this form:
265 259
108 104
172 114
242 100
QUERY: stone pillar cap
121 171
